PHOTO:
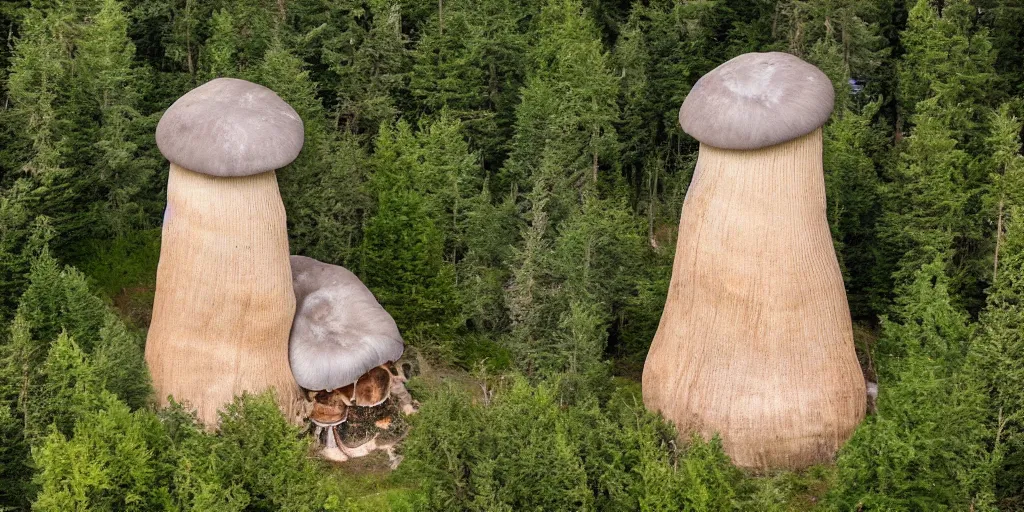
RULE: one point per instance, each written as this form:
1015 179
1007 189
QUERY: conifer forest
506 178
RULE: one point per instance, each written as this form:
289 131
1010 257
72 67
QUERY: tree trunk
999 240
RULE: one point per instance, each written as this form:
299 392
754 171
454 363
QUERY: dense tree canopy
507 177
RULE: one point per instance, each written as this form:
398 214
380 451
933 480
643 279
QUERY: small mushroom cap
328 415
340 330
757 100
373 388
229 127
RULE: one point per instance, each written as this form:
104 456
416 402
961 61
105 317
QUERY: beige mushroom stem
756 342
224 300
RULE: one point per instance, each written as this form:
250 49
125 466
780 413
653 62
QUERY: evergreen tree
35 157
1005 22
909 455
996 354
949 58
664 47
529 449
106 81
58 307
417 233
119 459
20 241
1006 183
256 461
14 458
809 29
527 283
926 203
568 110
377 82
170 34
470 62
73 87
115 460
490 229
221 48
241 32
66 389
852 189
327 36
322 187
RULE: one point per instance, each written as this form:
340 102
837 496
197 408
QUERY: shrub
528 450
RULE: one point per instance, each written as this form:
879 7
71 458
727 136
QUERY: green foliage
995 358
424 184
852 188
81 156
564 292
926 196
507 177
20 241
525 450
119 459
377 73
565 121
1005 190
321 189
14 456
1004 20
123 263
64 350
948 58
114 461
256 462
910 455
470 62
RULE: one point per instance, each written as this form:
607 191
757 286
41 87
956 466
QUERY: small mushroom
341 341
373 388
224 302
327 415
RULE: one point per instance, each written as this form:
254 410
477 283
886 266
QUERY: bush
120 460
527 450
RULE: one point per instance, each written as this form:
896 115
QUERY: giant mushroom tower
755 342
224 301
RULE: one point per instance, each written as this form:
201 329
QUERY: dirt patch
135 305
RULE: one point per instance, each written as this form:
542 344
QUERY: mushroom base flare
756 343
224 301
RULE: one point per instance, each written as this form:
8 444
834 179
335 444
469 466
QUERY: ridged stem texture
224 302
756 342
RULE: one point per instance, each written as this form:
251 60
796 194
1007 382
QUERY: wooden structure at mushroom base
224 302
342 351
755 342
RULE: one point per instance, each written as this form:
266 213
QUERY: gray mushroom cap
757 100
229 127
340 330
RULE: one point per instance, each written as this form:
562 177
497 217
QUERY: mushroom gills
362 417
327 415
373 388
